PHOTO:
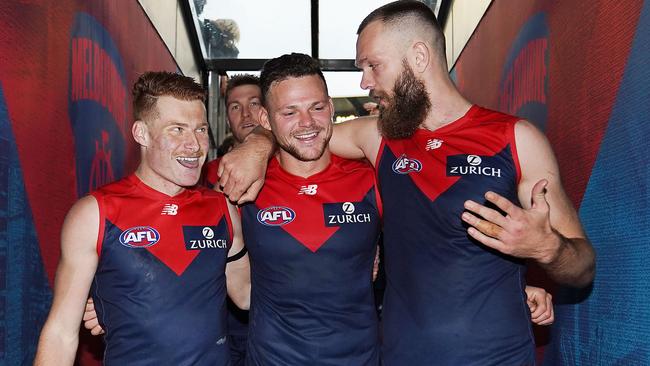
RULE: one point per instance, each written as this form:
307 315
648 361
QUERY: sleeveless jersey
312 242
159 288
450 300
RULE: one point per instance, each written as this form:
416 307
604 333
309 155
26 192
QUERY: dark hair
291 65
405 12
154 84
239 80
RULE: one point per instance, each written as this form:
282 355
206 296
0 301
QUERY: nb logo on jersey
139 237
169 209
458 165
203 237
404 165
309 189
432 144
275 216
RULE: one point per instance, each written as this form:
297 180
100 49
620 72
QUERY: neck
447 104
153 180
301 168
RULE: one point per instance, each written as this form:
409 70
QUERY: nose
246 111
367 82
192 142
304 119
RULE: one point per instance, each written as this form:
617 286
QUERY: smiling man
154 250
311 234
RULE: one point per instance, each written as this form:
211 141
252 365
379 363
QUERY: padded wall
578 70
66 70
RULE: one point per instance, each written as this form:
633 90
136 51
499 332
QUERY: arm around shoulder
566 254
59 338
356 139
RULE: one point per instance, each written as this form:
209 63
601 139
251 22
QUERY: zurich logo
405 165
275 216
139 237
474 159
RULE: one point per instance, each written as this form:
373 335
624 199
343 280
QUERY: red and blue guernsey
450 300
160 287
312 242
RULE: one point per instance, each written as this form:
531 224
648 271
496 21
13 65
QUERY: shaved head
406 22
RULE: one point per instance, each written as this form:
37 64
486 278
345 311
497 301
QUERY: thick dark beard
407 108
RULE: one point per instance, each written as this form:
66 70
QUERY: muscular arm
242 170
546 228
566 254
356 139
238 279
59 338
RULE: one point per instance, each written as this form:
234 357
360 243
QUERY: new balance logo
309 189
170 209
433 144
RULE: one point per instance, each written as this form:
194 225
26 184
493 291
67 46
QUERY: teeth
307 135
181 158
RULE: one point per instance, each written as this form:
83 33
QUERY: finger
97 330
484 226
251 194
504 204
89 314
90 306
231 190
90 324
224 176
486 240
487 213
538 194
537 310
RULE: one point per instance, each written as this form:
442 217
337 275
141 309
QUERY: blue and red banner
577 69
66 70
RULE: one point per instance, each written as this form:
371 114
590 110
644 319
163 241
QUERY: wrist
555 244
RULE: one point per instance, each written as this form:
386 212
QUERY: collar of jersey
454 125
156 194
324 175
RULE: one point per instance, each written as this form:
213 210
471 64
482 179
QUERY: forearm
263 140
571 262
56 349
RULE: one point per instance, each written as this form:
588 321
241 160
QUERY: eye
255 103
234 107
177 129
203 130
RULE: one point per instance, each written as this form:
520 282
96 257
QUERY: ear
264 118
422 56
332 111
140 133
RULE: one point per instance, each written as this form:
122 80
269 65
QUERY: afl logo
139 237
276 216
404 165
473 160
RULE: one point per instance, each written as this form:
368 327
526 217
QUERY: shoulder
352 165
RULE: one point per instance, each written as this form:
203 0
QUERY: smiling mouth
306 136
188 162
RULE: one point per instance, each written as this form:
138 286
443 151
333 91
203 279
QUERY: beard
406 109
